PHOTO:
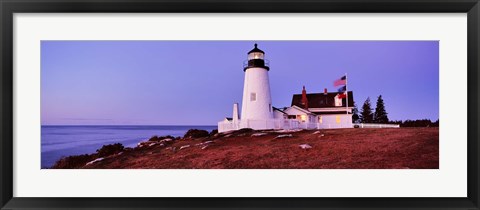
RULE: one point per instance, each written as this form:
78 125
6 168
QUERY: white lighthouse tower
257 112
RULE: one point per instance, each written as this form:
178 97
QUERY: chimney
235 113
325 92
304 98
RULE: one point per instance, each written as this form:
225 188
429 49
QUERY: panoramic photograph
255 104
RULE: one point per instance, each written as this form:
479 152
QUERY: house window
253 96
338 119
292 117
303 117
320 119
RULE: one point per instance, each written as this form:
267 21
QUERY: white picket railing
287 124
292 124
376 125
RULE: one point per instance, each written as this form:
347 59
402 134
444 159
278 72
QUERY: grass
396 148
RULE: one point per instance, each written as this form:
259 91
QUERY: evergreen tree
380 113
366 115
355 116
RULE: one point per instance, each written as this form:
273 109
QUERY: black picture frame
9 7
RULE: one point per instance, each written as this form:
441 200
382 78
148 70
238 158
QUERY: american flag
341 81
342 92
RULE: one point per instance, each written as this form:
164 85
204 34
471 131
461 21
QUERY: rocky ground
396 148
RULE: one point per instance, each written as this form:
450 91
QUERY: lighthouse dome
255 49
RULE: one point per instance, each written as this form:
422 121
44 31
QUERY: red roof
321 100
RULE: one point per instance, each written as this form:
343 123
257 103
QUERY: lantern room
256 58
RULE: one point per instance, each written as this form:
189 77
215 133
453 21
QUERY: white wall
278 115
256 81
335 121
310 118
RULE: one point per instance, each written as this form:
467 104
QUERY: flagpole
346 90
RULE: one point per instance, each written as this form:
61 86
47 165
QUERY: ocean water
60 141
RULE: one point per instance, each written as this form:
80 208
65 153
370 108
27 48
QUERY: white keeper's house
307 111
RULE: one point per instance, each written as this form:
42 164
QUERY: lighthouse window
270 107
253 96
255 55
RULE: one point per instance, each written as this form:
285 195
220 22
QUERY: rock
214 132
284 136
94 161
228 132
316 132
171 148
258 134
196 133
159 138
288 131
184 146
204 147
305 146
166 140
203 143
150 143
244 130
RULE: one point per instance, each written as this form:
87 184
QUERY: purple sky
196 82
